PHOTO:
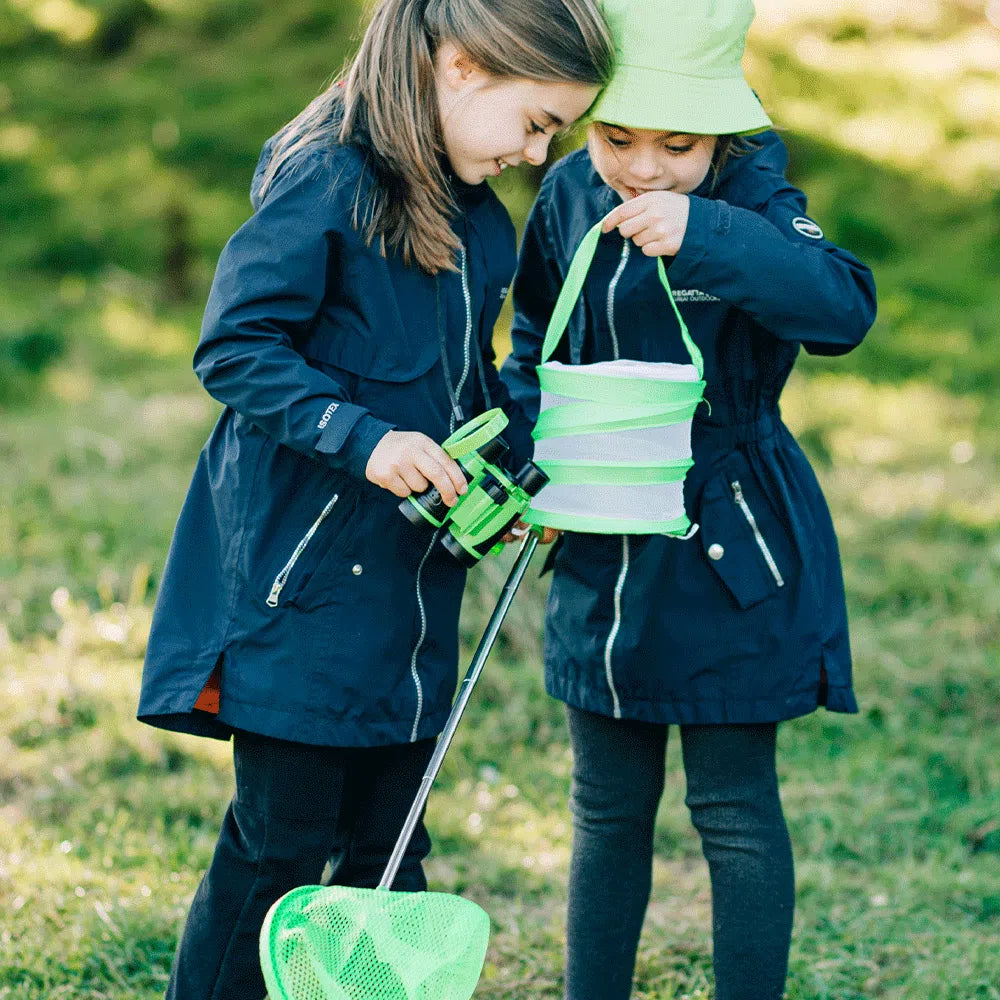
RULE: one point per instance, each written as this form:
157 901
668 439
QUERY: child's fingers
397 485
624 211
658 248
433 474
443 471
519 529
414 478
451 468
631 228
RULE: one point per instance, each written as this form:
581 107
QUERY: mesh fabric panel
341 943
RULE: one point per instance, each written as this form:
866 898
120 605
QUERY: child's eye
536 128
680 150
616 142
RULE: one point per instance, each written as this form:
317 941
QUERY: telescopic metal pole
514 578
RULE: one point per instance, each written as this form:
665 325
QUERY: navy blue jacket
333 621
746 621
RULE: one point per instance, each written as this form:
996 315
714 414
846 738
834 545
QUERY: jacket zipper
615 627
467 358
282 578
752 521
611 296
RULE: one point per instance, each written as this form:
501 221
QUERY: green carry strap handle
573 285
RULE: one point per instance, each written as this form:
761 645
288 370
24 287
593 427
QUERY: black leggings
732 793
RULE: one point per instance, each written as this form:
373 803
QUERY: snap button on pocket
357 569
716 551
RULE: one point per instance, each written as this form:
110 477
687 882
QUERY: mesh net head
340 943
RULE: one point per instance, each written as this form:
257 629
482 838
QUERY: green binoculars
495 499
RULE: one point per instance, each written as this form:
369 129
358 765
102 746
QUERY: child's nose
645 167
536 149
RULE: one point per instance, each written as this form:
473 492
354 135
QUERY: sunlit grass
889 112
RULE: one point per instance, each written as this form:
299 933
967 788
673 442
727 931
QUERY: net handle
514 578
573 285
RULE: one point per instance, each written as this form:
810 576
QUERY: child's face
490 123
636 160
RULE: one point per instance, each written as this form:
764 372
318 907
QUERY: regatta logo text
330 411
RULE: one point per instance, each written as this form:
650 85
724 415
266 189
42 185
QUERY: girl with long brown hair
348 329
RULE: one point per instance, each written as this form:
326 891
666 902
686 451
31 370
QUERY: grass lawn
128 132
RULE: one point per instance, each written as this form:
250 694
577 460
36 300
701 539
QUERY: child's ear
456 66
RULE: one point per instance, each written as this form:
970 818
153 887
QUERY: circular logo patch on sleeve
807 227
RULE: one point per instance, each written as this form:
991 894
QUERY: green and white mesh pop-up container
614 437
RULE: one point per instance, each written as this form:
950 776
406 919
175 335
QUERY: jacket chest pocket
742 540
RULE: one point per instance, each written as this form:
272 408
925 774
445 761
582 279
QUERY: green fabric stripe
596 418
582 473
576 381
606 525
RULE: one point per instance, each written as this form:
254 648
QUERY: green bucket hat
680 67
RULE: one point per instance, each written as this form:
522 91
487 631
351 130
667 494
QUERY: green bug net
342 943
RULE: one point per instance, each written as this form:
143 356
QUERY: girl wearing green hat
744 625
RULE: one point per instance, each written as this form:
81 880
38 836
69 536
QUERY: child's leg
361 859
732 792
286 816
617 783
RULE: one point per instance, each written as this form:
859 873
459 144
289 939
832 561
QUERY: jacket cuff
707 218
355 450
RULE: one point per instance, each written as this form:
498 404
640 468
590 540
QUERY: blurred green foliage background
129 130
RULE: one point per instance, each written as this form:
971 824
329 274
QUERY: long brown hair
386 102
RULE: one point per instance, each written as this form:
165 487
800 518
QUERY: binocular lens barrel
531 478
493 450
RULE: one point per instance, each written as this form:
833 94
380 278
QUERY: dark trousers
732 794
296 809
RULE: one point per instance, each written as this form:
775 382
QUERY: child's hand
655 221
406 462
517 532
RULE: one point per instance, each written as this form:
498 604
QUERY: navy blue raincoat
328 618
746 621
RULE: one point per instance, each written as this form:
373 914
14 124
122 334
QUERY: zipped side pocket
752 521
282 578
